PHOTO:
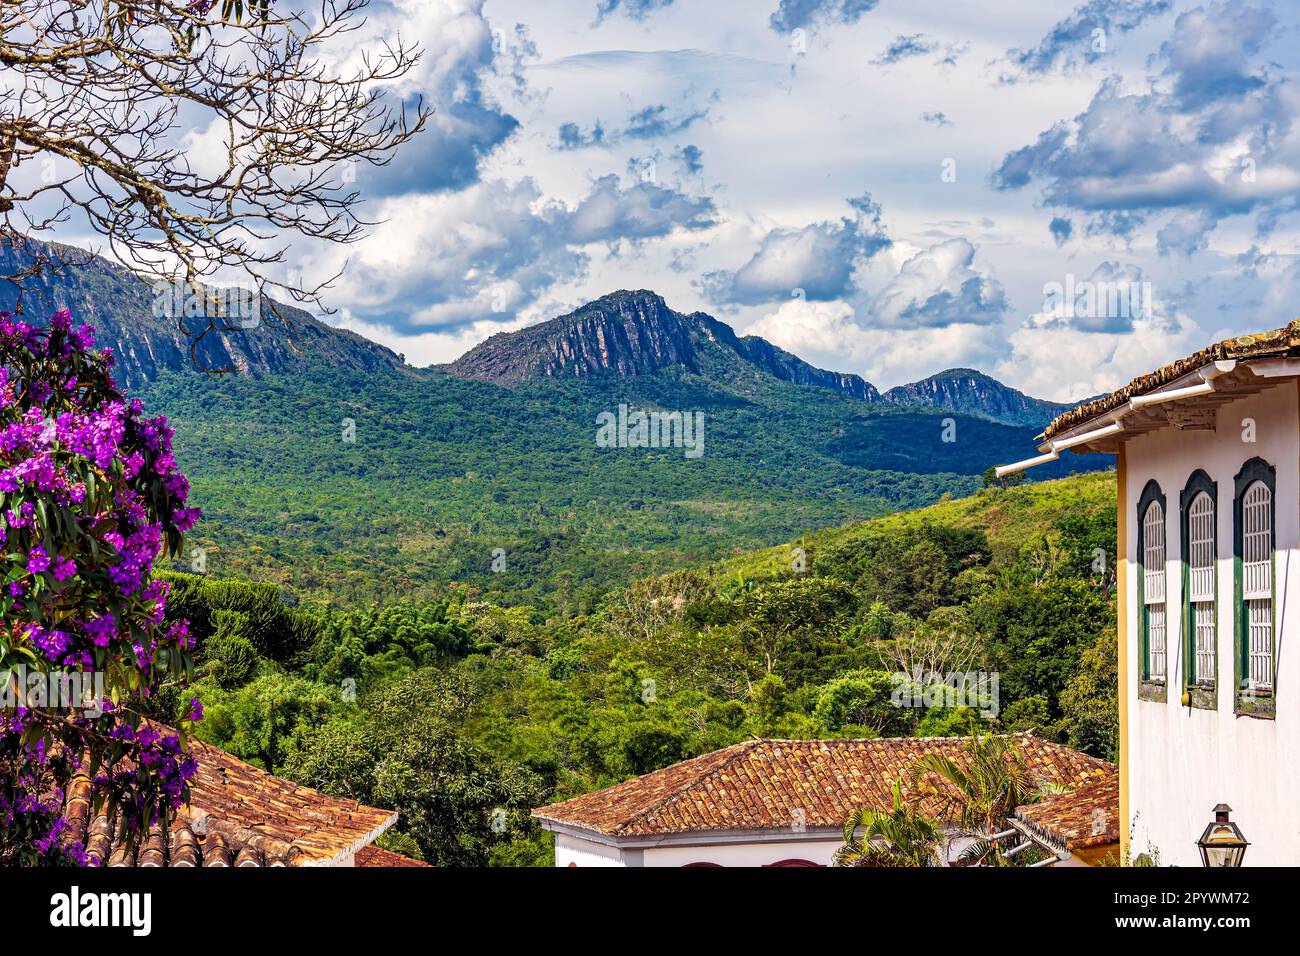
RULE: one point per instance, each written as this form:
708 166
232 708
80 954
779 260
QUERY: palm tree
901 837
979 793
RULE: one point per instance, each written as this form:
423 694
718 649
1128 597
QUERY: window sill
1256 704
1201 697
1153 690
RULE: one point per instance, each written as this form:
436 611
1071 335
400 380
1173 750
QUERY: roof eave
1196 391
1178 389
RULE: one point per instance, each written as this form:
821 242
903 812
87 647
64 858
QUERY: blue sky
881 186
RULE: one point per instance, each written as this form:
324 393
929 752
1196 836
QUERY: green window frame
1254 673
1200 650
1151 497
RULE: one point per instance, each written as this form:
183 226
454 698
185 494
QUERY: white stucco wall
745 854
572 849
1182 761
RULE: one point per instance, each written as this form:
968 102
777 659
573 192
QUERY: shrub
231 658
89 497
862 699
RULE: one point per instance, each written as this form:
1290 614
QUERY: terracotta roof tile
1279 343
238 816
375 856
1084 817
769 784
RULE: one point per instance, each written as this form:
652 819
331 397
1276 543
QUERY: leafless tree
96 99
944 644
653 603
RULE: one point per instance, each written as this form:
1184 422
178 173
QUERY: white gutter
1204 387
1059 446
1104 432
1003 470
1159 398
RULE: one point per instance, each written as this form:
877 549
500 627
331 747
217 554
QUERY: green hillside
463 715
1008 518
443 471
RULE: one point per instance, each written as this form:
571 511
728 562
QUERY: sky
886 187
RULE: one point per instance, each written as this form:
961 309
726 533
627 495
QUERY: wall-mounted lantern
1222 843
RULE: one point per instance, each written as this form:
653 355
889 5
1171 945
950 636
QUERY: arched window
1254 539
794 863
1152 607
1200 551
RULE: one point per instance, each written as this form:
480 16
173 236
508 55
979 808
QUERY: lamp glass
1222 845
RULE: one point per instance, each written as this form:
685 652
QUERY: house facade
1208 462
783 803
760 848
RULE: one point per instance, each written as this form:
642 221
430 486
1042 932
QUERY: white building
784 803
1209 523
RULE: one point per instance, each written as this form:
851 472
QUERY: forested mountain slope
463 715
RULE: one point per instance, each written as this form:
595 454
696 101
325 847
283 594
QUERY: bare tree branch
109 110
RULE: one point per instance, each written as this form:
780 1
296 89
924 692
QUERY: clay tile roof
1084 817
774 784
238 816
1279 343
374 856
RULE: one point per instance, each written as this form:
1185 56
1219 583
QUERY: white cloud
828 335
642 211
939 286
442 260
1066 364
428 348
812 330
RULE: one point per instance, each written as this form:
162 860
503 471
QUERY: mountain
972 392
333 468
623 334
635 333
148 342
628 334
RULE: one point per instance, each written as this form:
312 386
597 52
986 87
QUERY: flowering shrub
89 497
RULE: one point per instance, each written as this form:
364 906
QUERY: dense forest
464 714
349 487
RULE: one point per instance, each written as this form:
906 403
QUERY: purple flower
38 561
62 424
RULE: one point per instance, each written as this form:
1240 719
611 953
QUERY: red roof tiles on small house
375 856
770 784
1085 817
237 816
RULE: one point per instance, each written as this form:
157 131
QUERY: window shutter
1257 582
1200 527
1153 588
1257 542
